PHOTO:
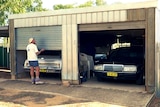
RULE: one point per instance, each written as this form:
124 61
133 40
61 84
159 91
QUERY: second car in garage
125 63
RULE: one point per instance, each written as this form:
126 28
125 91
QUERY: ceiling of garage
100 38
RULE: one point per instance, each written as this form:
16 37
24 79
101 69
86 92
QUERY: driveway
53 93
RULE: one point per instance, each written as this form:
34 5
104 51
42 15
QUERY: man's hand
42 50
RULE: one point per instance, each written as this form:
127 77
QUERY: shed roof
146 4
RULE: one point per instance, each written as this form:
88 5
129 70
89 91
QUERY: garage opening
114 50
4 48
50 61
4 53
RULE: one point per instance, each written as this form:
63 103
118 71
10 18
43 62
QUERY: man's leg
37 72
37 81
32 74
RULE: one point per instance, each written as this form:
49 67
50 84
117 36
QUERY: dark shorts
33 63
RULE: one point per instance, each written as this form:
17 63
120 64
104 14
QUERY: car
47 64
100 57
125 63
86 66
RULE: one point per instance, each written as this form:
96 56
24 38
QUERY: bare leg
32 72
37 72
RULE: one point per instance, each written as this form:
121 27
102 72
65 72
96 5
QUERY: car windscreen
50 54
126 55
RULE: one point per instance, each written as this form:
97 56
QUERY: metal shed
67 23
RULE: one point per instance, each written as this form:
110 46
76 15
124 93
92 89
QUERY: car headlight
98 67
130 68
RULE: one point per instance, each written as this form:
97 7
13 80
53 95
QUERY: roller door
49 38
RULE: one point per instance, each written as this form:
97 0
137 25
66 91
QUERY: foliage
89 3
86 4
8 7
18 6
100 2
60 6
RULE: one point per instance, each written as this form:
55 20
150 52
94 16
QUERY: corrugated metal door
49 38
4 57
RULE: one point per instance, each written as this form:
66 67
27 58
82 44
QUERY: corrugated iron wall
70 24
80 18
70 33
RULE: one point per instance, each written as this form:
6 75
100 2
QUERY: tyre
100 79
140 79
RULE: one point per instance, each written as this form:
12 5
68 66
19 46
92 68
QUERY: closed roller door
49 38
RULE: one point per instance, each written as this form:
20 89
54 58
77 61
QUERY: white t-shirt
31 52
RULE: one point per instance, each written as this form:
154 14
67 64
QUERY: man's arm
37 53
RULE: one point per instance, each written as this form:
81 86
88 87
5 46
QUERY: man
32 53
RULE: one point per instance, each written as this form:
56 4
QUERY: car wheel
99 79
140 80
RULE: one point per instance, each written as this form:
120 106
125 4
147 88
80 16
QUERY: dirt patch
22 98
34 99
8 104
14 93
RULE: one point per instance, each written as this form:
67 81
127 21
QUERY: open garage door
4 47
99 39
112 26
47 37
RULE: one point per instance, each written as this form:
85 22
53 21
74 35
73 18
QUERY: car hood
48 60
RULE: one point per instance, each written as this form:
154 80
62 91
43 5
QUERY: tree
8 7
60 6
86 4
69 6
100 2
35 6
89 3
